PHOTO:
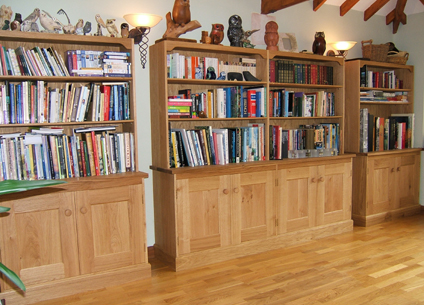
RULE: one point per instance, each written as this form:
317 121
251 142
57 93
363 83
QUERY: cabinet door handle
321 179
83 210
313 180
236 190
225 191
398 169
68 212
393 170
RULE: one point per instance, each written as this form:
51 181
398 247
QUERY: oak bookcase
207 214
88 233
385 183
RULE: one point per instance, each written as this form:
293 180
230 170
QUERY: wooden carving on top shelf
180 22
396 16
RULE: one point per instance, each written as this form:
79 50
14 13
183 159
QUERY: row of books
49 154
379 79
322 136
287 71
229 102
35 62
37 102
195 67
379 133
98 63
381 96
205 145
288 103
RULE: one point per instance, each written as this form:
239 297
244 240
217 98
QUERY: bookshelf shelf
206 214
385 182
75 213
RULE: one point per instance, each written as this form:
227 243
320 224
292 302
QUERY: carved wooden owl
319 44
235 31
217 33
181 12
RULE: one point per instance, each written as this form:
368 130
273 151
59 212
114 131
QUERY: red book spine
95 153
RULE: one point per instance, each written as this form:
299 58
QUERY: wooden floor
382 264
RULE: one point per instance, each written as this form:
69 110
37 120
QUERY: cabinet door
39 236
334 197
407 181
203 213
253 214
381 185
110 225
297 191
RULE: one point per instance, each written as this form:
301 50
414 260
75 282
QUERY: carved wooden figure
217 33
271 36
181 12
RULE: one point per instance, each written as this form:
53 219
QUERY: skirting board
370 220
77 284
207 257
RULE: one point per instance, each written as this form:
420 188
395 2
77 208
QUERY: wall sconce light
342 47
142 23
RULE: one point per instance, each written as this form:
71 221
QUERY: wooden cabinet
385 182
75 237
390 188
90 232
314 194
207 214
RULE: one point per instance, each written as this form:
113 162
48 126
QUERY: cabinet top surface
64 38
377 64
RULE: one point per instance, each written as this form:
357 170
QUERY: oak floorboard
380 264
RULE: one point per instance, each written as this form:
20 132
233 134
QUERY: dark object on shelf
87 28
125 30
249 77
271 36
319 45
15 25
235 76
217 33
210 74
392 47
331 53
235 31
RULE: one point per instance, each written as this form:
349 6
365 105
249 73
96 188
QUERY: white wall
299 19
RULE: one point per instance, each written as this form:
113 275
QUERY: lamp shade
142 20
342 45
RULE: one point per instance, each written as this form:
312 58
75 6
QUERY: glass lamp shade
342 47
142 20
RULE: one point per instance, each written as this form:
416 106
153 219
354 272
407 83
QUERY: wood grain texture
382 264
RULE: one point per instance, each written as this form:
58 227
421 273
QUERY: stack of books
179 107
115 64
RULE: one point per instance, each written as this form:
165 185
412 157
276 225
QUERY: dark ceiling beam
422 1
400 16
374 8
319 3
347 5
271 6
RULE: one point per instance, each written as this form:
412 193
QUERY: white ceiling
412 6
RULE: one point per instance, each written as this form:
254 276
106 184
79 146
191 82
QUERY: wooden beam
422 1
369 12
319 3
347 5
400 16
390 17
271 6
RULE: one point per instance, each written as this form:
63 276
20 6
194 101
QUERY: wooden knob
236 190
313 180
225 191
321 179
68 212
398 169
393 170
83 210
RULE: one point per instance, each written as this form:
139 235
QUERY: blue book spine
258 104
12 103
126 102
19 103
228 102
121 102
115 103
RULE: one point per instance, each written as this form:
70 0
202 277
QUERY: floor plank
382 264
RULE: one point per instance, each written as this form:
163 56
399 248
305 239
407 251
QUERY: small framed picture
287 42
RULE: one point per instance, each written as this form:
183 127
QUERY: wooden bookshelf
385 183
87 233
207 214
